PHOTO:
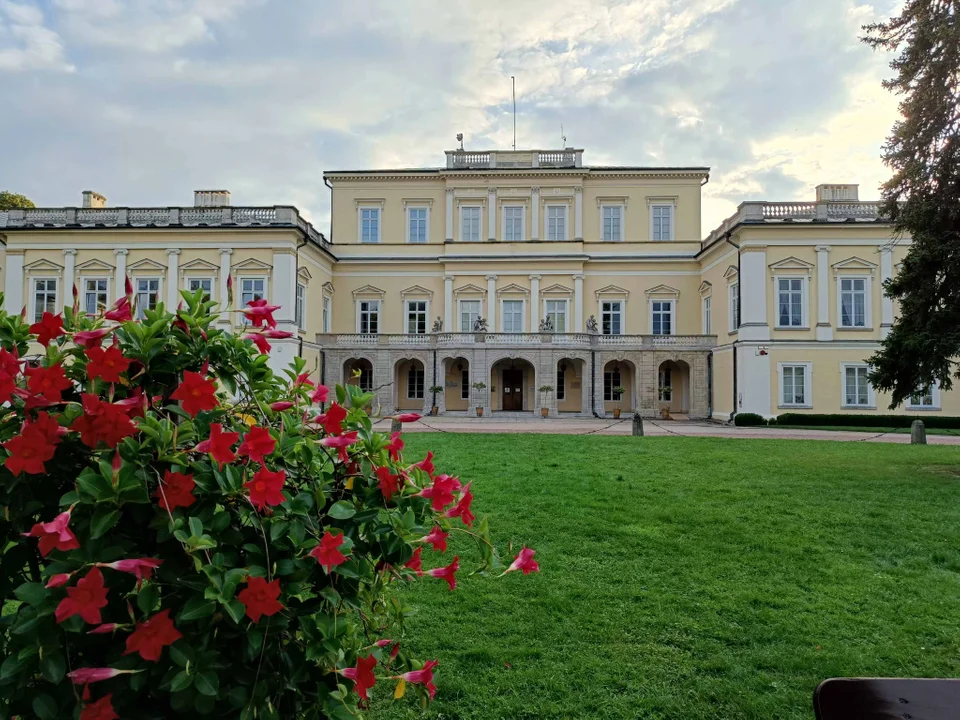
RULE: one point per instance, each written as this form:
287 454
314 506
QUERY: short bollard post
637 426
395 425
918 433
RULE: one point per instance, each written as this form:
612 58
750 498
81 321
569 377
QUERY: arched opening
457 384
410 383
619 382
512 385
568 388
673 387
358 371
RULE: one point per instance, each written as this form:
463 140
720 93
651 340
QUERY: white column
69 271
448 303
13 288
534 303
534 213
578 213
449 215
578 304
225 305
492 303
284 293
120 274
886 303
492 214
824 331
173 282
753 295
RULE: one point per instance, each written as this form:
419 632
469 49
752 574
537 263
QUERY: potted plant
618 393
545 391
479 388
436 390
666 397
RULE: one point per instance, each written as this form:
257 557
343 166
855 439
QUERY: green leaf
31 593
196 527
208 683
220 522
181 681
277 529
45 707
53 666
235 610
197 608
11 666
342 510
103 519
181 654
95 485
148 598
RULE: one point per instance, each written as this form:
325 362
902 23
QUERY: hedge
748 419
873 421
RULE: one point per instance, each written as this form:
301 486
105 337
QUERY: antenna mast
513 82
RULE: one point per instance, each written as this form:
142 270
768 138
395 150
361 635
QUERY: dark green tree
11 200
923 196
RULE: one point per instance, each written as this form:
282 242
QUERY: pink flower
447 573
407 417
362 675
437 538
424 677
303 379
383 643
142 568
120 312
319 395
127 286
416 562
55 535
426 464
524 561
103 629
281 406
395 446
91 338
56 581
82 676
388 482
341 442
260 341
275 334
441 491
462 508
259 313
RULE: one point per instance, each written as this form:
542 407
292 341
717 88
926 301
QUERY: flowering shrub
185 532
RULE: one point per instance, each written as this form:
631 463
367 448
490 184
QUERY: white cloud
25 43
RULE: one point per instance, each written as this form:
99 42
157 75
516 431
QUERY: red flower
388 482
218 445
102 421
259 312
281 406
319 395
257 444
441 491
119 311
260 598
341 442
426 464
55 535
265 488
362 675
437 538
127 286
328 552
104 629
151 636
106 364
136 405
36 443
303 379
196 393
49 327
56 581
85 600
177 491
448 573
48 382
332 419
407 417
274 334
102 709
82 676
91 338
524 561
416 562
395 446
9 370
142 567
424 677
260 341
462 508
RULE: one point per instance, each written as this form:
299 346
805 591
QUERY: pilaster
173 285
120 273
13 286
578 213
753 294
492 303
578 303
449 216
824 329
492 214
69 272
448 312
886 303
225 305
535 213
534 303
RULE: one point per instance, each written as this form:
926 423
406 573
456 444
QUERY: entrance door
512 389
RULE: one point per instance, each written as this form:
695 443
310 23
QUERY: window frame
326 307
672 302
654 206
360 312
664 380
867 302
622 315
934 400
300 306
733 292
33 294
566 221
706 319
195 278
623 212
360 210
84 279
140 313
411 370
465 383
566 313
426 224
807 368
426 314
240 293
871 394
523 222
561 391
503 314
460 302
618 382
804 301
471 206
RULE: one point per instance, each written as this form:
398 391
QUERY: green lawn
690 578
871 430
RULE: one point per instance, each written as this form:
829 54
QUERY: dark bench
887 699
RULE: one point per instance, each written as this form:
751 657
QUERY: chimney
833 193
93 199
211 198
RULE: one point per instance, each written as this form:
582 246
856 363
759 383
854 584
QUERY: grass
688 577
871 430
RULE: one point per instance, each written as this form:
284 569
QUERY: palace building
514 281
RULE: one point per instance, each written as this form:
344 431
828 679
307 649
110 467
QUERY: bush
192 554
748 420
871 421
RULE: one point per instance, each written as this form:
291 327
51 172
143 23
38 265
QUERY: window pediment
557 289
43 266
368 290
95 266
328 287
199 265
252 265
663 290
732 273
856 265
147 265
612 290
416 290
706 288
304 274
791 265
513 289
469 289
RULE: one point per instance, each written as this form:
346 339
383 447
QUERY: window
611 380
853 302
365 381
795 385
790 302
470 223
856 388
464 384
301 305
662 320
251 289
556 312
513 316
469 314
417 225
369 317
416 317
665 380
556 222
734 307
611 317
927 399
612 219
512 223
94 295
44 297
707 319
415 383
369 225
326 314
148 295
561 383
661 216
205 284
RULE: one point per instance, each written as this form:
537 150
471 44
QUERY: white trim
804 302
418 205
135 279
459 319
546 221
361 206
82 288
523 314
732 305
213 283
867 302
935 394
566 312
807 385
706 310
673 313
653 205
300 322
504 206
357 302
33 295
326 313
623 219
406 314
238 295
479 207
406 380
622 299
871 395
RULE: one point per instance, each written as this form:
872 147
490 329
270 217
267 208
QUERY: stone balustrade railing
564 340
492 159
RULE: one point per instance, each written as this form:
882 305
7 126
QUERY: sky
145 101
